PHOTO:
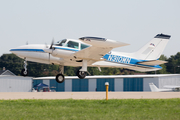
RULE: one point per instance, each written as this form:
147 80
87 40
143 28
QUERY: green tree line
15 65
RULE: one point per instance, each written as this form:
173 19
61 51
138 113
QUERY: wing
92 53
99 47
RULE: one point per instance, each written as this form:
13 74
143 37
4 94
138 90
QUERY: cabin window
61 42
72 44
83 46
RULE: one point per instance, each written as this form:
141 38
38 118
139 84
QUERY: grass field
136 109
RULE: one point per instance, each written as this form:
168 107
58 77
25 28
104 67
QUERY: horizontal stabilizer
153 62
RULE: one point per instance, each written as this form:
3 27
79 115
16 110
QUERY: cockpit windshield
61 42
71 44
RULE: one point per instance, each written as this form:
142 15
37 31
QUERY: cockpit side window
73 44
83 46
61 43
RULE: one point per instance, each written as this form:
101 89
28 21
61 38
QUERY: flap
92 53
153 62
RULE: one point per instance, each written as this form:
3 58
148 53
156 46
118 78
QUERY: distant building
9 82
117 83
6 72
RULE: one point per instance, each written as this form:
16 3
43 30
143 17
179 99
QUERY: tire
23 73
81 74
60 78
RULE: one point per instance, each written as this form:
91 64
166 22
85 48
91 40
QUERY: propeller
51 48
52 43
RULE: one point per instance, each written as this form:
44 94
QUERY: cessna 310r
94 52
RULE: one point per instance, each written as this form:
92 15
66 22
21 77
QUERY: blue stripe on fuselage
126 60
41 50
30 50
120 59
66 49
108 57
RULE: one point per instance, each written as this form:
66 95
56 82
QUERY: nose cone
14 50
18 49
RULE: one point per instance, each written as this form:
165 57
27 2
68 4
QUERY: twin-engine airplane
94 52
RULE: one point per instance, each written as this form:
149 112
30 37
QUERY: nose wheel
24 72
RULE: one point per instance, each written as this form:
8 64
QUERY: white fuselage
35 53
69 52
95 52
64 56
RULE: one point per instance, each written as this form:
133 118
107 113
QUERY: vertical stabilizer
153 87
153 49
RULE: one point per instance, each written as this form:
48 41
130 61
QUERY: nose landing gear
24 72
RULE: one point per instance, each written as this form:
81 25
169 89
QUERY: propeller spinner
50 49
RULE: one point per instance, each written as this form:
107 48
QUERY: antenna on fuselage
27 43
46 45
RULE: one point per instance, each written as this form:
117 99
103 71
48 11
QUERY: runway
88 95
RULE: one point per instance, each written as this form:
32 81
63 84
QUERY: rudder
153 49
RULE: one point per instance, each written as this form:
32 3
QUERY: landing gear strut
24 72
60 76
83 71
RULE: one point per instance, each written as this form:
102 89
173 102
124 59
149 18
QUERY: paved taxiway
88 95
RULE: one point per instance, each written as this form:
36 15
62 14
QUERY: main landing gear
60 76
80 73
83 71
24 72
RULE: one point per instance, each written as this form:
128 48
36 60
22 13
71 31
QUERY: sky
135 22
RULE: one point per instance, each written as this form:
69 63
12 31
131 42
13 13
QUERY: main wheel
60 78
24 73
81 74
